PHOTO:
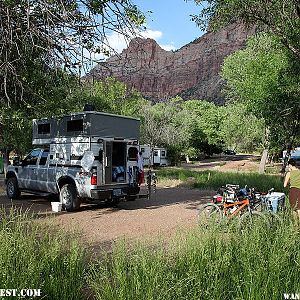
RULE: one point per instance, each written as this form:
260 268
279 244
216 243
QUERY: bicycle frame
241 205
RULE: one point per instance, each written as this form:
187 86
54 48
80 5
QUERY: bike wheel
252 219
209 213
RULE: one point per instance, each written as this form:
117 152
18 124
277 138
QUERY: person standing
292 177
140 164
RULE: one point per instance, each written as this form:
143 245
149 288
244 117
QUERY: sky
172 20
169 23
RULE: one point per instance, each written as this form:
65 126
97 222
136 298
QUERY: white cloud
118 42
169 47
152 34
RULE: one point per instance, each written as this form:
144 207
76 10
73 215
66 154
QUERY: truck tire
68 197
12 188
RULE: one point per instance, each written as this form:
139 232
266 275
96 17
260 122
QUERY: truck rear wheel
68 197
12 188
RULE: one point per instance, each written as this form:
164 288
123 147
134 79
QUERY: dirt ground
168 210
236 163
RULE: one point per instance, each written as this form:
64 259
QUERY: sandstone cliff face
192 71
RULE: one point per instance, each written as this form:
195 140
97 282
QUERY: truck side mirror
16 161
23 163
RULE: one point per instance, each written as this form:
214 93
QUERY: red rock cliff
192 71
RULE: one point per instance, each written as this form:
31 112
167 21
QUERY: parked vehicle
229 152
295 154
81 156
156 156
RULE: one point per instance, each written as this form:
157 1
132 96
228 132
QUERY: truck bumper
115 192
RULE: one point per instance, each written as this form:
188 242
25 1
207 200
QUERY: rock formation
191 72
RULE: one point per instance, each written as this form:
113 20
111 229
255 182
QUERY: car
229 152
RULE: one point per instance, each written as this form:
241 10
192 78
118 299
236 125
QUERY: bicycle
233 204
151 182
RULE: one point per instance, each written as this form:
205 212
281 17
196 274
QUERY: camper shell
94 154
154 156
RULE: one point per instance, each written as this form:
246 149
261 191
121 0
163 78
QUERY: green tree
266 79
203 122
279 17
240 129
56 34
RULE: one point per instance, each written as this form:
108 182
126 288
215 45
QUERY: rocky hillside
191 72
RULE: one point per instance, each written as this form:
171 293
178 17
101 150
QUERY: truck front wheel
12 188
68 197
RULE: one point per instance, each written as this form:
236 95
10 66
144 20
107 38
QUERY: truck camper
81 156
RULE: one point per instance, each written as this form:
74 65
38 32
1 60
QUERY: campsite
149 149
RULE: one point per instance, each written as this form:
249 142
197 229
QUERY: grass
215 179
35 255
209 263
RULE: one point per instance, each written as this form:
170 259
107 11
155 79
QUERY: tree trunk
263 161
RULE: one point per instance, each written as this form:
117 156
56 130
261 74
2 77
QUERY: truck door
107 162
27 174
42 172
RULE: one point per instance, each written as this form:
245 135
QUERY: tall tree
279 17
266 79
42 43
59 33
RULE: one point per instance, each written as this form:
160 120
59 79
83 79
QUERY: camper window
44 128
75 125
155 153
163 153
132 153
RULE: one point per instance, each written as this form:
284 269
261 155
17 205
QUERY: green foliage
194 127
240 129
56 34
264 77
279 17
161 123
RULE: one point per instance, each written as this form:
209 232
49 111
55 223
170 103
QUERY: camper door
132 155
156 157
107 162
115 161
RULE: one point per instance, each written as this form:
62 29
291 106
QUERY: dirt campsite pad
168 209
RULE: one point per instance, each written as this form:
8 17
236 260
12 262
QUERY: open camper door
107 161
132 154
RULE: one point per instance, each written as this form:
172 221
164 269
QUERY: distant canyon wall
191 72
